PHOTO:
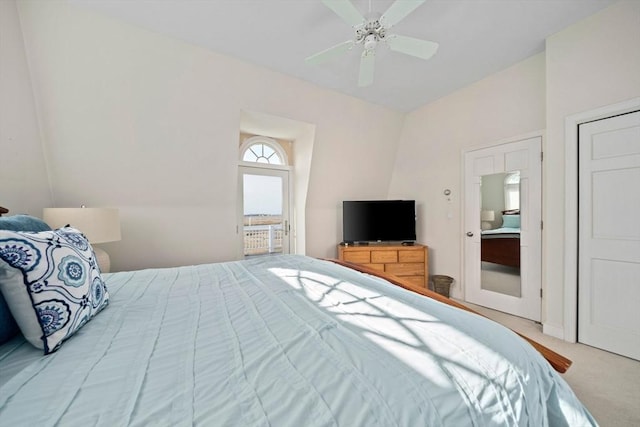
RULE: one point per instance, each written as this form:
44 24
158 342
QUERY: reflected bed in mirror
502 245
500 238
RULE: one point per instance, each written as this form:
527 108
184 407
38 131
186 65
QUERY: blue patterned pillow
8 326
51 282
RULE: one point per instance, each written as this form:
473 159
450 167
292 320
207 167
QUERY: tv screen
378 220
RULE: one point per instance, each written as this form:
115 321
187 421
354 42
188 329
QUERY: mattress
283 341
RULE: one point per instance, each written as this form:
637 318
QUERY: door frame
242 168
570 326
463 223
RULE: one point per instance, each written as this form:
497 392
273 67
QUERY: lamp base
485 225
104 262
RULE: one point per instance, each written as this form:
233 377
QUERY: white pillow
51 283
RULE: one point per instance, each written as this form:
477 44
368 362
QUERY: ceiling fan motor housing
370 33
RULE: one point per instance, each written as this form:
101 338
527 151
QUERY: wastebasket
441 284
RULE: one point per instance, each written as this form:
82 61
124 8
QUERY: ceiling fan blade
330 53
367 64
415 47
345 10
397 11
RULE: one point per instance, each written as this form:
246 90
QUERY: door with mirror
502 220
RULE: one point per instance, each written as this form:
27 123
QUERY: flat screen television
378 221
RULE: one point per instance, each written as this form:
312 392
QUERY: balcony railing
262 239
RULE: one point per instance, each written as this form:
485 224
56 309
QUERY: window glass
512 191
262 153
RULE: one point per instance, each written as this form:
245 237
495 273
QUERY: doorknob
470 233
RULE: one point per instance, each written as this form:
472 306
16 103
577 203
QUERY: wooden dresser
409 262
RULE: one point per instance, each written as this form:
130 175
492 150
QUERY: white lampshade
487 215
100 225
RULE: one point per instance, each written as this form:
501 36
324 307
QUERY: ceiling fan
372 30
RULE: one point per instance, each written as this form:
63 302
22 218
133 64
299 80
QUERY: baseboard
553 330
455 293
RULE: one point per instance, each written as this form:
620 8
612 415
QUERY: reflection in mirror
500 240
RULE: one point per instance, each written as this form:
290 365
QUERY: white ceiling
476 37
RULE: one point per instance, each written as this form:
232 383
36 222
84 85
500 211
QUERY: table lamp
486 217
99 225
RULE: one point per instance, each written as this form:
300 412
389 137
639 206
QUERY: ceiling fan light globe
370 42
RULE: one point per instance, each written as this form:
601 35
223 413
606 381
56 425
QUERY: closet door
609 234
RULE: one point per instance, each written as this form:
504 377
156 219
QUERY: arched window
260 149
512 190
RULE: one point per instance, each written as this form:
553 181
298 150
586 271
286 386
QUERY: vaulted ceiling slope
476 38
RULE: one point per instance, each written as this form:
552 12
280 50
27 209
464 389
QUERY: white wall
593 63
506 104
24 186
145 123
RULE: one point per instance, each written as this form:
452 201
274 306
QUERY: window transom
260 149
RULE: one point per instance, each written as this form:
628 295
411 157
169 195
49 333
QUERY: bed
282 340
502 245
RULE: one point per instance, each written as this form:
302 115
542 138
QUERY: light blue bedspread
284 341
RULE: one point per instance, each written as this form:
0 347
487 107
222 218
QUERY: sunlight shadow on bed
437 351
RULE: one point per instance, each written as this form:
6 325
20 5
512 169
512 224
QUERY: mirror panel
500 240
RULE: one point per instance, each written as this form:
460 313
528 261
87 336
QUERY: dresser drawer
406 268
360 257
411 256
384 256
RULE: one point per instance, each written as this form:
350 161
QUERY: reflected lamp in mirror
486 217
99 225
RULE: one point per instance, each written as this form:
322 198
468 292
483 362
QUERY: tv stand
407 261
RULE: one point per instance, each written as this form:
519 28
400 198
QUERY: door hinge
541 156
540 292
541 225
237 229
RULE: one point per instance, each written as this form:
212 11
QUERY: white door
264 223
609 234
494 275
